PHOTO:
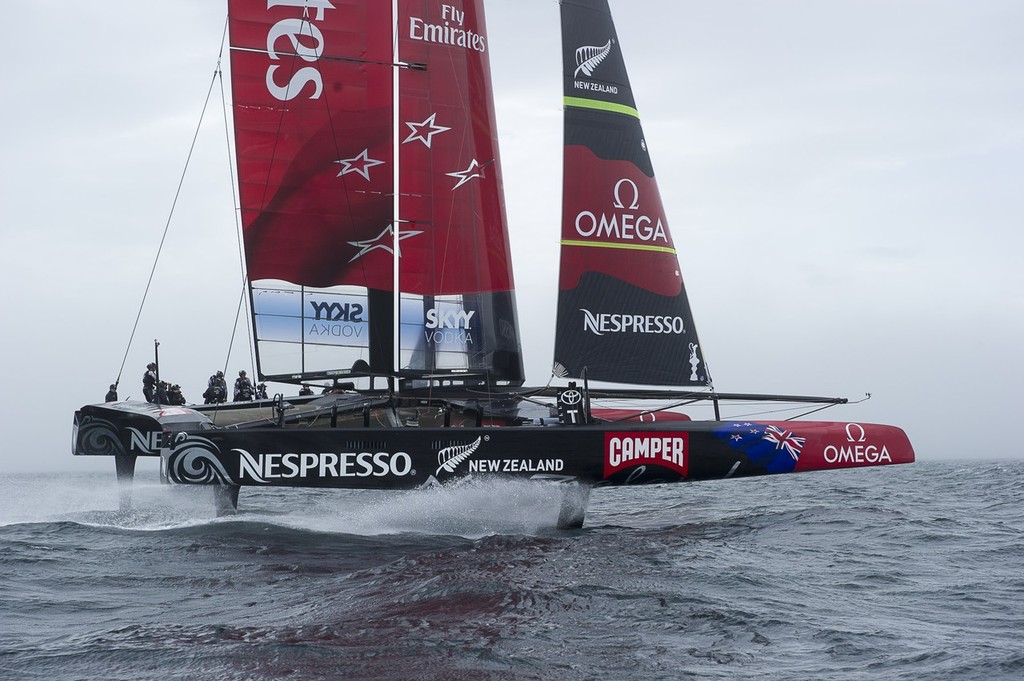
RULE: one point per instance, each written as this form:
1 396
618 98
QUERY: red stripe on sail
613 222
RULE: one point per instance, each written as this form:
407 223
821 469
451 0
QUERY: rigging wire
167 226
242 308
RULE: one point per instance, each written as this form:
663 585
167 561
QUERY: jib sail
623 314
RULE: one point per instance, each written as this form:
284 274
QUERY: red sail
312 85
451 193
321 147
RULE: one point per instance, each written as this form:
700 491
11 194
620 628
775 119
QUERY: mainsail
623 314
344 276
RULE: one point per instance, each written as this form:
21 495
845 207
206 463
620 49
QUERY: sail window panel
320 358
279 359
337 316
436 333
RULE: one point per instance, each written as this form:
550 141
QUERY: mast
396 302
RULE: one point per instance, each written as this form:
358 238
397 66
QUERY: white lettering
306 41
667 448
602 323
264 467
446 34
452 319
857 454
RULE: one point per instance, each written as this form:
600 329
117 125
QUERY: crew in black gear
243 387
149 382
174 395
216 389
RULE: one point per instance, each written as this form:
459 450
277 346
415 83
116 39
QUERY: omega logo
618 194
850 427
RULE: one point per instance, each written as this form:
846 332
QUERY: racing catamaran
378 262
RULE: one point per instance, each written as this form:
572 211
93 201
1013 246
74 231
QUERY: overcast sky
844 180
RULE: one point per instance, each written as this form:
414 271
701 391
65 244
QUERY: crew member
174 395
161 393
216 389
149 382
243 387
111 394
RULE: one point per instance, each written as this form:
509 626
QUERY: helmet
151 365
242 372
220 374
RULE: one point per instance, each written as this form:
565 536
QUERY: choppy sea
907 572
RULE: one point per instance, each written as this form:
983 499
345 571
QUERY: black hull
375 447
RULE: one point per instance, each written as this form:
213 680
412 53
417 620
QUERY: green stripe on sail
581 103
624 247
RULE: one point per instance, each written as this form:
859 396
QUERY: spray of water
472 510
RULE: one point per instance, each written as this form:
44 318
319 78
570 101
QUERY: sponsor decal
630 449
516 466
337 320
359 164
294 465
337 312
473 172
148 442
385 241
451 31
95 436
425 131
298 36
601 323
448 326
694 362
857 450
196 460
449 458
570 406
625 222
588 58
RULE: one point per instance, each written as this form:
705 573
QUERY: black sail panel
623 314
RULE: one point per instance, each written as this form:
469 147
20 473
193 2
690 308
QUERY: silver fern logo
589 57
449 458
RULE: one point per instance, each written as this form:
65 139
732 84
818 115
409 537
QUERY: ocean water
911 572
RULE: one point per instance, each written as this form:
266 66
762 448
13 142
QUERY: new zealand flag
769 447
